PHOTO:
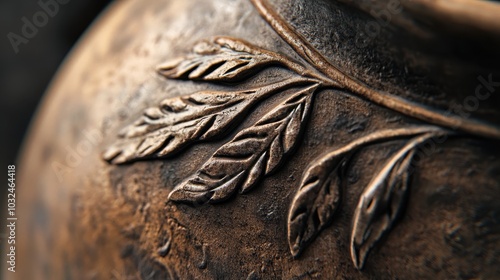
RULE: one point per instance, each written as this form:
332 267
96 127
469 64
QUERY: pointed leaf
220 59
255 173
291 130
180 121
240 163
275 153
382 201
318 197
316 201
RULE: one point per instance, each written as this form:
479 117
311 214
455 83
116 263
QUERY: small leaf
382 201
275 153
221 59
180 121
291 130
255 173
252 153
316 201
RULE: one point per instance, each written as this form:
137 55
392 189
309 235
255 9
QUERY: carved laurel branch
319 195
254 152
382 200
180 121
257 151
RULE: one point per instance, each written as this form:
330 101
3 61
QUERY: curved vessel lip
459 15
388 100
477 15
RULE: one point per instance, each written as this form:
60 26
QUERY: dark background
25 76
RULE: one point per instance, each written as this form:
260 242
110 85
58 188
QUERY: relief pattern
259 150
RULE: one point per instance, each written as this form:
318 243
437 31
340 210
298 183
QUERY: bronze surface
270 140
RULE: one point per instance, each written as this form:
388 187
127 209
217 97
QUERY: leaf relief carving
221 59
177 122
253 153
382 201
258 150
319 194
316 201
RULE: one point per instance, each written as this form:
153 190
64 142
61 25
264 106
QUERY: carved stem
306 72
387 135
309 53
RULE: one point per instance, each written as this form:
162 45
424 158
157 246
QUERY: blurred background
28 64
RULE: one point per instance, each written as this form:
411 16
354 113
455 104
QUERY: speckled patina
269 140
